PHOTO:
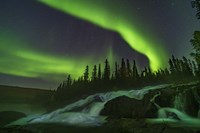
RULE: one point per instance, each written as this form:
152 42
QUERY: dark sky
39 45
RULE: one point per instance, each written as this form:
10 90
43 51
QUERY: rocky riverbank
168 109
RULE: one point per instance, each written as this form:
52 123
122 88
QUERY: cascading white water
176 116
90 109
179 102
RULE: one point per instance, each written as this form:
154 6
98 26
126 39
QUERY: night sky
43 41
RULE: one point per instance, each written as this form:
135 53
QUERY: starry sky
43 41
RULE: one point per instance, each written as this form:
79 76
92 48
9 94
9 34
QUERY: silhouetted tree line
126 75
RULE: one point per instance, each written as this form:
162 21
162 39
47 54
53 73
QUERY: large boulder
124 107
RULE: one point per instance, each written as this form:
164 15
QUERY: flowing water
176 116
86 112
88 109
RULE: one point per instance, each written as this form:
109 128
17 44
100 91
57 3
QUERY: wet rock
124 107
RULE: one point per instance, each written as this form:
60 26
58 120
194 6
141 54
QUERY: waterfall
90 109
176 116
179 102
197 97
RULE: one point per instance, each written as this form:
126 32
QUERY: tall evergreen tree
113 76
135 71
178 66
129 71
106 75
69 80
99 72
86 74
94 73
149 72
166 72
116 71
171 66
186 67
123 71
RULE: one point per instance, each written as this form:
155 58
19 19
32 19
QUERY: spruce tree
94 73
86 74
129 71
116 71
135 71
123 71
106 75
186 67
99 72
69 80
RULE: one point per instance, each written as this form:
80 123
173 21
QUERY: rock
140 126
113 126
181 97
55 128
124 107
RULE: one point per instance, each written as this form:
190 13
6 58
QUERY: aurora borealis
47 39
96 14
31 63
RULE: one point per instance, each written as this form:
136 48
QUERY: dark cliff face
183 97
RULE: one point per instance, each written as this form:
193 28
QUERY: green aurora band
97 14
19 59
